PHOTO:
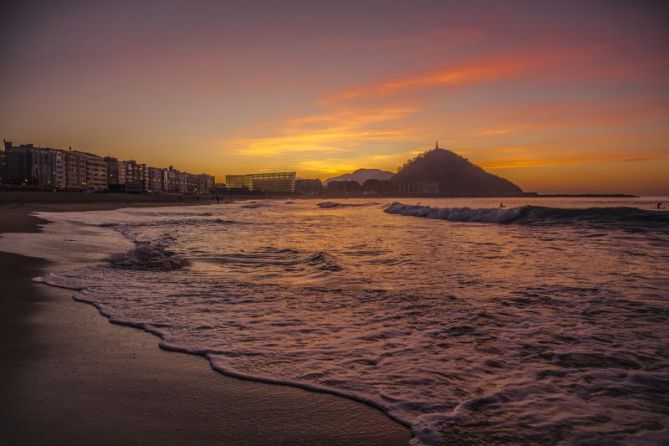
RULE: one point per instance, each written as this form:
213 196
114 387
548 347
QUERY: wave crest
334 204
619 217
148 256
324 262
455 214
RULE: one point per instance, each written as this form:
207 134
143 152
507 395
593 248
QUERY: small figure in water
501 205
659 205
218 200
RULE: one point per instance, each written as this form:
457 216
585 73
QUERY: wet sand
68 376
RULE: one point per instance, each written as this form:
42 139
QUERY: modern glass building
279 182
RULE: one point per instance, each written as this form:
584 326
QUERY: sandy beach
68 376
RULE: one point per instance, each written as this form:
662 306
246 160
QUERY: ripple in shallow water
472 334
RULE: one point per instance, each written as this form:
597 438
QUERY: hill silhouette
445 172
362 175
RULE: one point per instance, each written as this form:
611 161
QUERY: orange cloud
328 132
588 150
328 167
490 68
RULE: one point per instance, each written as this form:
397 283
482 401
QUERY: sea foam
621 217
147 256
472 334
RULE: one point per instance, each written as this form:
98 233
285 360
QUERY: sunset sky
556 96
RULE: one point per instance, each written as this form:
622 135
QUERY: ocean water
543 322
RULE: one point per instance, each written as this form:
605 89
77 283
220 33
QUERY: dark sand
94 199
68 376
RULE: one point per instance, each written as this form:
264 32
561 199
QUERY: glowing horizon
557 98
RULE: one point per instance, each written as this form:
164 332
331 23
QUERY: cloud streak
492 68
334 131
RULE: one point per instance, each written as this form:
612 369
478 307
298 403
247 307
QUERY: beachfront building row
131 176
45 168
279 182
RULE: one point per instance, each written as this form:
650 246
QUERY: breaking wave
324 262
334 204
442 330
623 217
147 257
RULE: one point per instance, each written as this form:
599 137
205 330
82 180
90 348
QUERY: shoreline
70 376
87 200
